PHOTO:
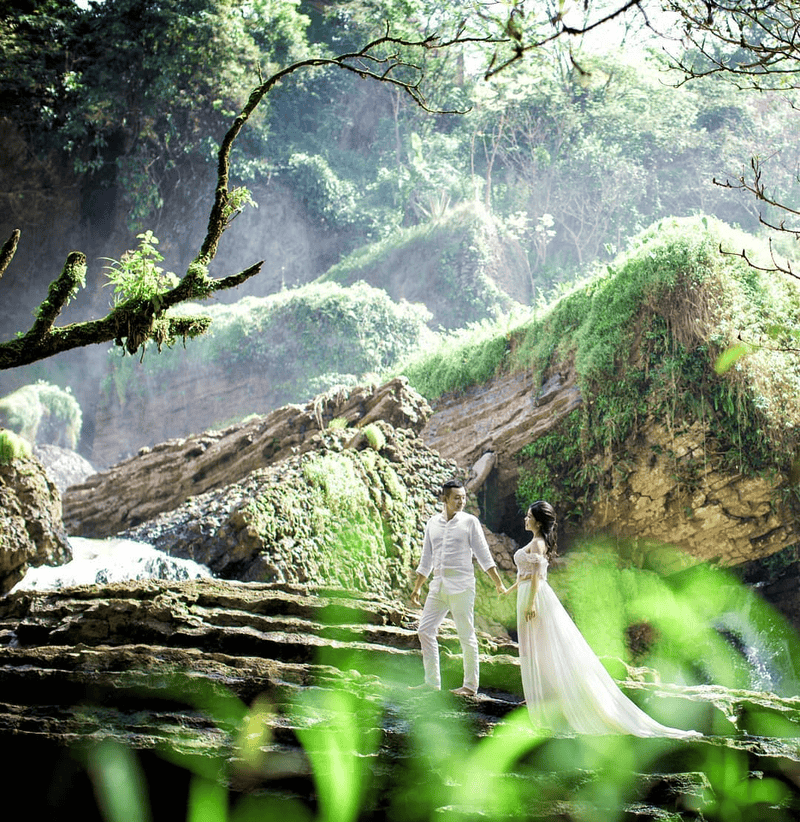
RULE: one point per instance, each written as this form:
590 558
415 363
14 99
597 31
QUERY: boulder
338 513
162 478
64 466
31 531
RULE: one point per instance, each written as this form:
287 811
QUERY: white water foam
100 561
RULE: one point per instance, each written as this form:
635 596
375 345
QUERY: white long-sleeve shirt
448 548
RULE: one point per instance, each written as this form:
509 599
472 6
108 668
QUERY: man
452 538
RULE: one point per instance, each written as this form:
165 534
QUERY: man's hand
414 599
500 588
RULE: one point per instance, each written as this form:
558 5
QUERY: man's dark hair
451 483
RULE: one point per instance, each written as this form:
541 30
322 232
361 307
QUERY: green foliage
137 115
347 526
449 264
327 198
43 413
13 447
303 340
136 276
352 518
460 359
653 325
644 334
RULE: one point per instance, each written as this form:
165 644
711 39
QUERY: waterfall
101 561
766 652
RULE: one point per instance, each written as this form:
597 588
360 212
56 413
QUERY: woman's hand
508 590
530 613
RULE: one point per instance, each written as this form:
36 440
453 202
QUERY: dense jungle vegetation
573 150
563 156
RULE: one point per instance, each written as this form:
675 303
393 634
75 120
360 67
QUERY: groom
452 538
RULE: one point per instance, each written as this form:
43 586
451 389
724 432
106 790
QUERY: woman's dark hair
545 515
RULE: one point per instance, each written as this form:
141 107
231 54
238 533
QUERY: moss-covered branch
130 324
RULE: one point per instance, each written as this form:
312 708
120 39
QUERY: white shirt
448 548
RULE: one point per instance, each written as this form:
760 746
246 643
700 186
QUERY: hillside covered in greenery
672 330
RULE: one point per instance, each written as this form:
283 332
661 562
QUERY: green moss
374 436
302 341
13 447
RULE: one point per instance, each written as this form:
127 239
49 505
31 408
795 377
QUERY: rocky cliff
161 478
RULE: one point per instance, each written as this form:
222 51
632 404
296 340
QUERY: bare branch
776 268
8 249
560 29
755 44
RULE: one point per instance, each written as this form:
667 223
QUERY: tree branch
132 323
61 291
776 268
561 28
8 249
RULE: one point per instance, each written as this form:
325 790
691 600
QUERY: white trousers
461 606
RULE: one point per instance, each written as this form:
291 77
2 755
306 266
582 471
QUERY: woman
560 672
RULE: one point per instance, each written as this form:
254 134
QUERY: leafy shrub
42 412
449 264
328 198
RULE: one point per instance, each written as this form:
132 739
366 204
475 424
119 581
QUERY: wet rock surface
174 669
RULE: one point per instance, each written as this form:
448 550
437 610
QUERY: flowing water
100 561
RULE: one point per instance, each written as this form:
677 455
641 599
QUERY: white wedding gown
561 674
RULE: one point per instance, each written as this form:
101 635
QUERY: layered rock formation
250 682
674 491
162 478
31 531
499 418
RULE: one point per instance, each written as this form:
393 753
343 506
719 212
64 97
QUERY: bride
560 672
